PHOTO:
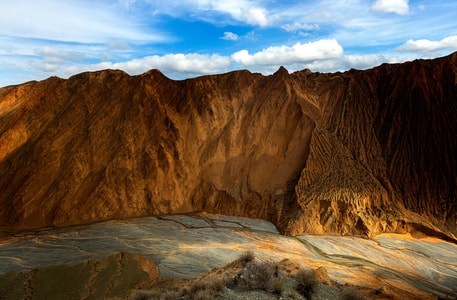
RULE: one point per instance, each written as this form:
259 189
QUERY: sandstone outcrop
359 152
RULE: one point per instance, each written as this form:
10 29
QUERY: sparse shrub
259 275
246 258
307 283
351 293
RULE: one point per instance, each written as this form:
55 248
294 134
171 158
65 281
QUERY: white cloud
256 15
185 63
230 36
400 7
296 26
429 47
298 53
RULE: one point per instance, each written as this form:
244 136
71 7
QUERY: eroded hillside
360 152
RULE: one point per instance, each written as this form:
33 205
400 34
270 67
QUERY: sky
189 38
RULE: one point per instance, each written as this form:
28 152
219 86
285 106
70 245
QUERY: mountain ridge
359 152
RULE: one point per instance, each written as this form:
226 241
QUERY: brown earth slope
360 152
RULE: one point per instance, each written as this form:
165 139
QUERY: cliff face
359 152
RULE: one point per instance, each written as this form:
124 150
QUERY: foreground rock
180 247
360 152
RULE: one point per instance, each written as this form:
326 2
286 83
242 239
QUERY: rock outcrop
360 152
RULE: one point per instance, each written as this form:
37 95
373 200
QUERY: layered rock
360 152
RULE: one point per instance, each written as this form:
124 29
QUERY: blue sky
190 38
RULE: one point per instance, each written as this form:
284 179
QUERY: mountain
359 152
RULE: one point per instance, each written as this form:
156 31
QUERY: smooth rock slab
431 260
183 246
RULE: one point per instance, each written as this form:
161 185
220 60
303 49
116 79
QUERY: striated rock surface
360 152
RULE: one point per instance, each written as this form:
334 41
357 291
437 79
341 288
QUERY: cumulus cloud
298 53
230 36
400 7
429 47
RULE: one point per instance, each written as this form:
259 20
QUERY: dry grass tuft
245 258
262 275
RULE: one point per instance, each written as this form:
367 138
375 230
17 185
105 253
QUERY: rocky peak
281 72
